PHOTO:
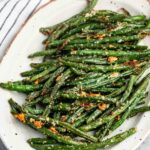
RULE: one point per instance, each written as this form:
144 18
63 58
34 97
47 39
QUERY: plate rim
14 38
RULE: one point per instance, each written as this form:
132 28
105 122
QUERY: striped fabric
13 14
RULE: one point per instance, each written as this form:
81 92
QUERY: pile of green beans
90 79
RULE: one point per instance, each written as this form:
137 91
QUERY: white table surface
145 145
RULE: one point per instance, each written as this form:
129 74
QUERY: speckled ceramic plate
28 40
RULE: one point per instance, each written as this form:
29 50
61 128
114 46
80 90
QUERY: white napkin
13 13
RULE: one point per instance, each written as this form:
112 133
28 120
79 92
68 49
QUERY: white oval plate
28 40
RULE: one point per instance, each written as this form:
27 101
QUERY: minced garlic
102 106
115 74
38 124
52 129
21 117
112 59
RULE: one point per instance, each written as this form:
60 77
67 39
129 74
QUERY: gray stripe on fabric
34 8
4 6
15 21
9 14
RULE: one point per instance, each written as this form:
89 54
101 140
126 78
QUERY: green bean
113 46
79 122
104 144
78 71
72 118
49 82
108 19
146 67
104 114
108 80
93 116
33 95
88 98
93 60
129 88
43 79
58 137
43 53
118 111
90 6
45 72
86 13
20 88
121 31
32 72
81 119
135 18
33 111
33 102
97 68
85 78
117 92
62 106
142 109
84 27
105 130
46 63
91 78
67 126
88 81
68 22
71 23
117 39
60 82
148 24
15 108
56 116
112 53
41 141
126 114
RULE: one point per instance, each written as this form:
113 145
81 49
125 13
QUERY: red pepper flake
21 117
